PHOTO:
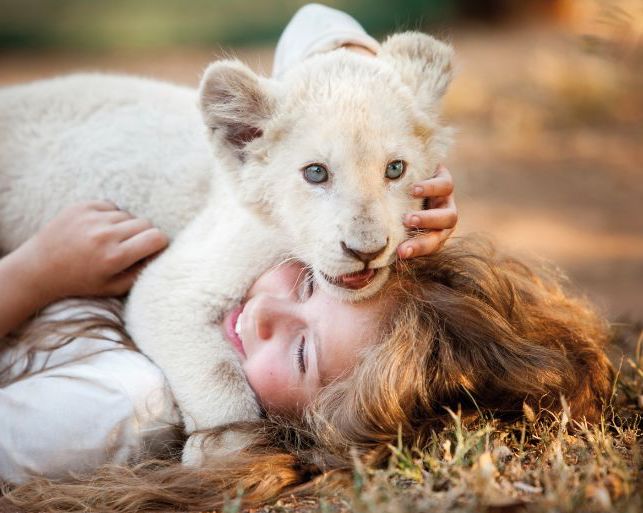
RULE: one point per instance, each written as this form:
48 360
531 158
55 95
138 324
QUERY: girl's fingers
423 244
102 205
122 282
141 245
130 227
436 219
433 187
116 216
440 185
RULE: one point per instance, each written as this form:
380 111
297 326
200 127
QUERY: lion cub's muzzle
363 256
359 279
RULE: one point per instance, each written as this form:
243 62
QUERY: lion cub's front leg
174 311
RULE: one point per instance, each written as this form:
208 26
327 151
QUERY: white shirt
91 402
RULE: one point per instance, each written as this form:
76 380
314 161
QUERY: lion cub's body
142 144
137 142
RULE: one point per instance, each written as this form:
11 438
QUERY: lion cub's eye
395 169
315 173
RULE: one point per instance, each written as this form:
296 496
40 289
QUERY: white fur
136 142
141 144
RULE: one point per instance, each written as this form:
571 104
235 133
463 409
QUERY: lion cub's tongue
357 280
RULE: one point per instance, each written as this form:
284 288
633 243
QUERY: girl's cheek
265 380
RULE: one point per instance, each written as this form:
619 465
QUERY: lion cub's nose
363 256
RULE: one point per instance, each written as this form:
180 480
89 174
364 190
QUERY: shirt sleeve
315 29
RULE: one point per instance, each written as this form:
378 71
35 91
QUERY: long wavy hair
466 327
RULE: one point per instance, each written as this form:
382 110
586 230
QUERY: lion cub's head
329 151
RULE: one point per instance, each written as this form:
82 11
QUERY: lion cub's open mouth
353 281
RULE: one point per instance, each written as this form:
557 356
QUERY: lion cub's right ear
235 101
425 65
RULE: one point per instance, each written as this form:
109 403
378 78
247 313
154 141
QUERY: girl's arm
88 249
20 296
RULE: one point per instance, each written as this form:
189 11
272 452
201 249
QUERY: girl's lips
228 327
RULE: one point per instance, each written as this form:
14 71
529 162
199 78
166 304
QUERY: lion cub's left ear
236 103
424 63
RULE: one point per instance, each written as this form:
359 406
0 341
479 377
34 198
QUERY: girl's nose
273 316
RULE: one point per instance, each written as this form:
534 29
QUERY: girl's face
293 338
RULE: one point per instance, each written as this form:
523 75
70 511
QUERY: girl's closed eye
300 355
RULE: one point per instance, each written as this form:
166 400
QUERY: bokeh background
548 104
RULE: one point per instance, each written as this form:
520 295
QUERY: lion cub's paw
201 448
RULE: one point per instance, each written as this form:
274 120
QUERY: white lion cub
315 166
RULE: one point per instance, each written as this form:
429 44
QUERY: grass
540 463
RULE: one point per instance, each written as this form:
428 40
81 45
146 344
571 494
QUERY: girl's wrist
33 276
21 291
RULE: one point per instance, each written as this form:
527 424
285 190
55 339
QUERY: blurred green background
109 24
146 23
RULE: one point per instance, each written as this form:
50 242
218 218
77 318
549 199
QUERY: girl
123 407
465 327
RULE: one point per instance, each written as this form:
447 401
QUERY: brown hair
467 327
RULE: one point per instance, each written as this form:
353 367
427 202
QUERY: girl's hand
90 249
434 225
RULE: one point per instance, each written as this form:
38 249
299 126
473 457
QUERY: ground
547 161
